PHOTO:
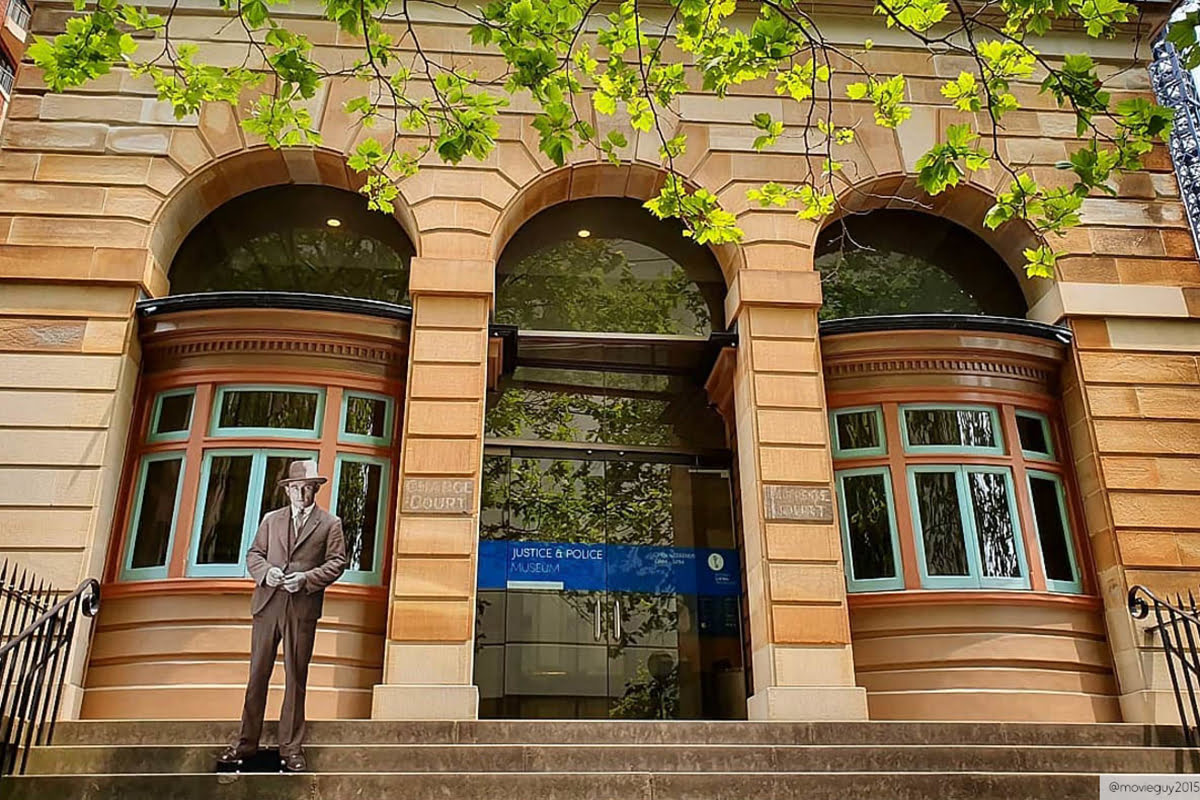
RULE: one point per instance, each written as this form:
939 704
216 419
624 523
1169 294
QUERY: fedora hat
302 472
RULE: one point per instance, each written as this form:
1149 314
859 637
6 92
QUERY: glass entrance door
608 587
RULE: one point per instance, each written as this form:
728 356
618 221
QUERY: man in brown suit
298 551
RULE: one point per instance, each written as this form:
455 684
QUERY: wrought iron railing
37 633
1176 89
1178 628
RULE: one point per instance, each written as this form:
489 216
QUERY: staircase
553 760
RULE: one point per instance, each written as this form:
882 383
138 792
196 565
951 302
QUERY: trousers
276 623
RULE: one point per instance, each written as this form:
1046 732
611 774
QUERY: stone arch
965 205
591 180
230 176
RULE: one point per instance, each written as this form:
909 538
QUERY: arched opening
608 265
894 261
296 238
609 582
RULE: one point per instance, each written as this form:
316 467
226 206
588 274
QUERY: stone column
799 625
428 659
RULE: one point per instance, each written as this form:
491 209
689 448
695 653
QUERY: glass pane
153 534
273 496
857 430
366 416
993 525
224 510
640 508
555 500
1048 511
869 528
174 413
358 491
949 427
941 523
257 408
1033 434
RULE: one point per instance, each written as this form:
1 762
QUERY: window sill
194 586
1011 597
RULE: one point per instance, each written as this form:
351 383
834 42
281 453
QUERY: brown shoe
296 762
233 755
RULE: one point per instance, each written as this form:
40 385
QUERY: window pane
224 510
1033 434
869 527
993 525
366 416
358 490
857 430
174 413
1047 510
949 427
268 409
273 496
153 534
941 523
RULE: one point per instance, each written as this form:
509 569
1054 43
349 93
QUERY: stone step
155 732
435 758
560 786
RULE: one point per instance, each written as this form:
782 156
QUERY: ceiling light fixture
333 222
584 233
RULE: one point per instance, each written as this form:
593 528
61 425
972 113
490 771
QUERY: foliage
631 64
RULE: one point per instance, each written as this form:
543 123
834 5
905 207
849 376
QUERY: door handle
598 633
617 617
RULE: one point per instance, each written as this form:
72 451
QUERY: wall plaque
439 495
798 503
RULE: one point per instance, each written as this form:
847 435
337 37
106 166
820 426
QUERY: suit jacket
320 552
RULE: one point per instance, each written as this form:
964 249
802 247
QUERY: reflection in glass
1032 434
555 500
994 524
366 416
174 413
273 496
639 509
359 485
157 510
941 523
949 427
264 408
857 429
1052 535
869 526
220 540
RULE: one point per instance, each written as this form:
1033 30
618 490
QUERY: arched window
905 262
296 239
608 265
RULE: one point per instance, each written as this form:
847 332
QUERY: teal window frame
869 584
858 452
1044 421
358 438
974 579
156 413
314 432
129 573
997 450
258 470
375 576
1065 587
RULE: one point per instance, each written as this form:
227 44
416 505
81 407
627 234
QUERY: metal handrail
37 639
1175 88
1178 629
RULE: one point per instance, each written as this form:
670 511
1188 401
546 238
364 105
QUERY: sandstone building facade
715 502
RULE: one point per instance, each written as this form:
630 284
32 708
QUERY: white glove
294 581
274 577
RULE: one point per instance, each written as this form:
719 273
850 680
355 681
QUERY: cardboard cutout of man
298 551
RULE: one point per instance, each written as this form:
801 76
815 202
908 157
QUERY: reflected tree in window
857 430
949 427
869 527
359 485
941 523
994 525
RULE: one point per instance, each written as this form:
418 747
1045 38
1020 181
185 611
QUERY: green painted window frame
997 429
156 413
129 573
314 432
358 438
1035 455
858 452
1066 587
258 469
375 576
974 579
869 584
